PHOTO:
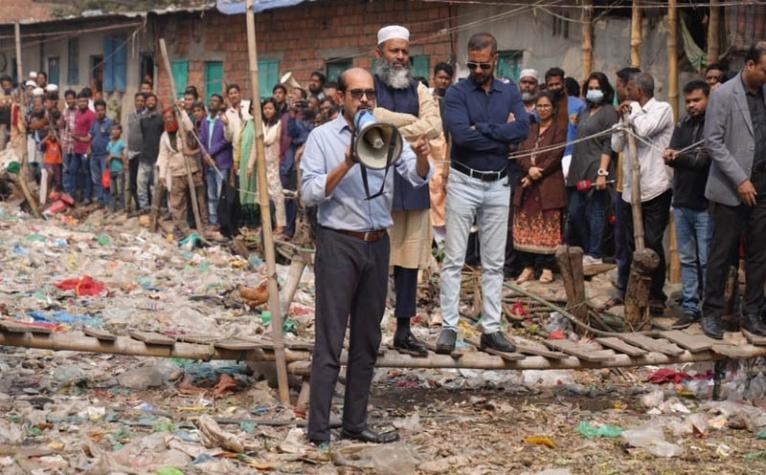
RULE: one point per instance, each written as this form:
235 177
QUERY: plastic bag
106 179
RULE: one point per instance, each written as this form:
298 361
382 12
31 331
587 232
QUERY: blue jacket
101 130
216 146
478 122
298 129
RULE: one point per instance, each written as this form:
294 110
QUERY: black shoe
446 342
656 308
685 321
497 341
370 436
411 345
711 326
754 324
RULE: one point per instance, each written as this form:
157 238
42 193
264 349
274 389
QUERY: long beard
527 96
397 78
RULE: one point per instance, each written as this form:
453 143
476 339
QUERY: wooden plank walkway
619 350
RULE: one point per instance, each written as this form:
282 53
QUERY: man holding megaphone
352 247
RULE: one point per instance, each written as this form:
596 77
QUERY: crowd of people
79 154
519 168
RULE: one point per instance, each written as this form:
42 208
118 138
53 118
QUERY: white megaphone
376 145
288 80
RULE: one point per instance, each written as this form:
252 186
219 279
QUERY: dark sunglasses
357 94
484 66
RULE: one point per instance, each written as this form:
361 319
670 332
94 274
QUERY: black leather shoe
370 436
497 341
685 321
754 324
446 342
711 326
410 345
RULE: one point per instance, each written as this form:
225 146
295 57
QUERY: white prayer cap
531 73
32 75
51 88
30 83
38 91
393 32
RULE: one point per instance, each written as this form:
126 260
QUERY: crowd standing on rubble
527 166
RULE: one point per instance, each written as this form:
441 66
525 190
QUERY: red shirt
82 123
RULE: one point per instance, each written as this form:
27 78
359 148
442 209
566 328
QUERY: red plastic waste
83 287
667 375
57 207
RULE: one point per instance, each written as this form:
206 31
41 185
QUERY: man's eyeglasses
485 66
357 94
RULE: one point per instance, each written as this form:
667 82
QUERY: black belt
367 236
478 174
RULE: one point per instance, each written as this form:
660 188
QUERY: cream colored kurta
411 234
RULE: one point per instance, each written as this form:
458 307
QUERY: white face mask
595 96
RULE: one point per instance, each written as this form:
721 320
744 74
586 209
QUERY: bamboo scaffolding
263 192
635 35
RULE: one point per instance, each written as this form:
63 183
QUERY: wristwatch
602 172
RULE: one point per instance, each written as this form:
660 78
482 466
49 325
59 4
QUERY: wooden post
713 28
635 35
24 173
675 262
587 38
645 261
570 265
263 191
182 138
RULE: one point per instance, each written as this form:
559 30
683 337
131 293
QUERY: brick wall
301 37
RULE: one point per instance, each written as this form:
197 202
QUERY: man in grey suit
735 136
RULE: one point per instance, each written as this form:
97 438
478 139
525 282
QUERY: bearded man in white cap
407 104
529 82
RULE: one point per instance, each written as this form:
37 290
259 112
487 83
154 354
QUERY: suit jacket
553 193
730 141
218 147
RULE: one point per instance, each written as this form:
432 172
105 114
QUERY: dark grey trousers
351 281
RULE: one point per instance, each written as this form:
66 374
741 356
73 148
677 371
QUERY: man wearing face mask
351 265
591 161
569 107
528 85
485 117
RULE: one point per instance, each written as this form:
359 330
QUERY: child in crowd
53 162
118 158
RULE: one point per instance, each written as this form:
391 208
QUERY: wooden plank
658 345
754 339
693 343
457 353
580 309
586 352
151 338
596 269
100 335
236 344
619 345
534 348
7 326
502 354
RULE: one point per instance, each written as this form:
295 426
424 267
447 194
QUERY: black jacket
691 167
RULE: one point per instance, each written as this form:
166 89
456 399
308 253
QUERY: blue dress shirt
347 207
478 122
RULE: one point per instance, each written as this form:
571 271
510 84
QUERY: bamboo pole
587 38
635 35
24 173
268 239
182 138
713 28
635 185
675 261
